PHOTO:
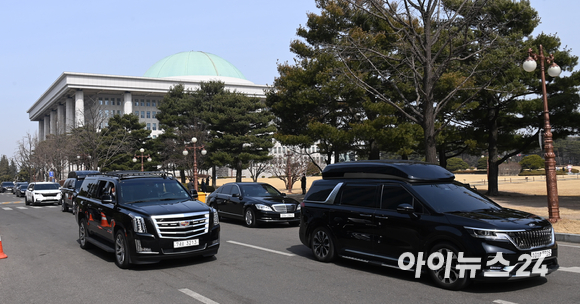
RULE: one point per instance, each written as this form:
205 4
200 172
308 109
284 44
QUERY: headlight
263 207
487 234
298 207
139 224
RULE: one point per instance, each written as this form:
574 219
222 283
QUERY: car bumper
148 248
275 217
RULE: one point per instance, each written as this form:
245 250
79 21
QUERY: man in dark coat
303 183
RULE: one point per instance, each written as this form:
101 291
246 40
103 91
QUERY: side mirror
107 199
283 194
405 209
236 195
193 193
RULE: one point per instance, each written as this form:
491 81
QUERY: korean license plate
285 215
541 254
188 243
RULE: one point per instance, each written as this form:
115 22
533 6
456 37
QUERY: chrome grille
284 208
181 226
531 239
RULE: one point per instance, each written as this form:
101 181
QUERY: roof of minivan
82 174
378 169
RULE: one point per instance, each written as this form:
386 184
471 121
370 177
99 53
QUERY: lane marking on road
197 296
51 206
21 207
503 302
572 246
36 207
570 269
6 208
261 248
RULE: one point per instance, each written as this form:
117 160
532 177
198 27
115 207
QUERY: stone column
41 130
70 114
79 108
128 105
53 122
60 123
46 126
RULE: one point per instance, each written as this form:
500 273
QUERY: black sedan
20 189
254 203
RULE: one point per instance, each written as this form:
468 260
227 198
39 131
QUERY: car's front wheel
322 245
250 218
63 206
451 280
26 202
121 250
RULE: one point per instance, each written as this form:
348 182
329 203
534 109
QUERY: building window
148 126
118 112
142 102
118 101
154 114
148 104
100 101
154 126
136 103
142 114
153 103
148 114
137 113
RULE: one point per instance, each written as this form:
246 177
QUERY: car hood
270 200
507 219
167 207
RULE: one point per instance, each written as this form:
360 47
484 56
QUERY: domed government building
74 97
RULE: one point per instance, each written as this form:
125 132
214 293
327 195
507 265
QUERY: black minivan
70 188
414 216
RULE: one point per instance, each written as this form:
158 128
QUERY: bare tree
257 168
24 156
288 168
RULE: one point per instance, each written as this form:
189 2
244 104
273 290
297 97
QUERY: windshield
259 190
150 189
46 187
453 198
5 184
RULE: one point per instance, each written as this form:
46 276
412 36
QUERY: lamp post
549 156
195 148
141 157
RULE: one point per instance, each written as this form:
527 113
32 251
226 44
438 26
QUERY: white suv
42 193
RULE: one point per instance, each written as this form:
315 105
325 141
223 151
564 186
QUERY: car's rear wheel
452 281
250 218
83 233
322 245
121 250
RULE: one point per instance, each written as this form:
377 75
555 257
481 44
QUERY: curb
568 237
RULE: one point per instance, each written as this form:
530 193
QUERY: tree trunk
492 159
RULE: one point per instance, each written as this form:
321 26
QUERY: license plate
180 244
284 215
541 254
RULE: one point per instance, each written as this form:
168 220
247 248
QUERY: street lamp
141 157
195 148
550 158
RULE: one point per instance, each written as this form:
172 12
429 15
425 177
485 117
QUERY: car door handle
382 217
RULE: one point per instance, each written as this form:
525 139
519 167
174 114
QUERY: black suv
6 186
70 188
400 214
144 217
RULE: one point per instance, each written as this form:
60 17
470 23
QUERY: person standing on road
303 183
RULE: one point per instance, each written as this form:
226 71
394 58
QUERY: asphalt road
263 265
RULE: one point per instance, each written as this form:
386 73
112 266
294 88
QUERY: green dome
193 64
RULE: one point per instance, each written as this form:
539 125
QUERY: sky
43 39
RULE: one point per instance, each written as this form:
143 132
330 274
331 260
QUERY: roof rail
135 173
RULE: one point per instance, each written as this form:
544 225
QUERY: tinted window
359 195
151 189
235 190
394 195
46 186
259 190
319 191
452 197
86 186
226 189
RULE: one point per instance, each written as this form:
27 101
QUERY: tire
250 218
26 202
453 282
73 209
121 250
63 206
322 245
83 234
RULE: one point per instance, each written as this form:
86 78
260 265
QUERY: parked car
144 217
70 188
42 193
6 186
393 213
254 203
20 189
